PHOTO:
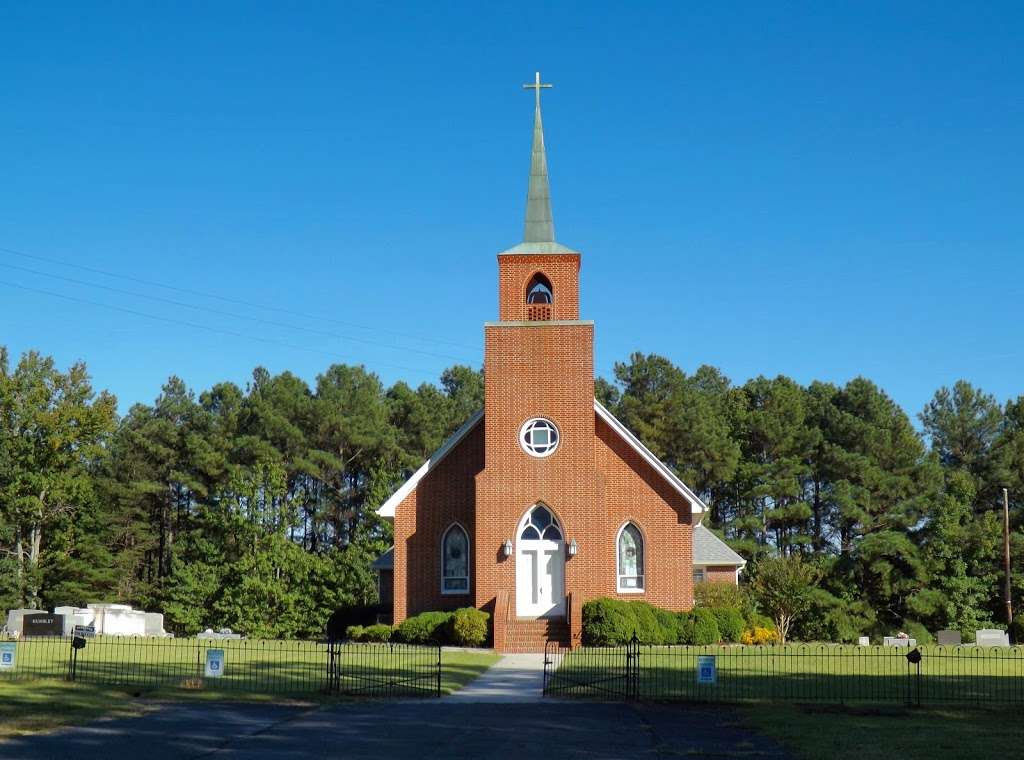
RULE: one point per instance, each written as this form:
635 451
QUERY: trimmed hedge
705 627
376 633
469 627
730 623
607 622
425 628
612 622
465 627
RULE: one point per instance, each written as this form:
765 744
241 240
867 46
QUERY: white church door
540 565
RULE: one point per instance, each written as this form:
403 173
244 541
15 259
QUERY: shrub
354 632
714 595
705 627
379 632
1017 630
759 636
607 622
917 631
425 628
669 624
684 624
645 623
757 620
730 623
469 627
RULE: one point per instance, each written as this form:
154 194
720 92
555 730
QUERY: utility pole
1006 554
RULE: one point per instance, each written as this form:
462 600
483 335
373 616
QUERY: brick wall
515 270
444 496
633 491
724 574
536 370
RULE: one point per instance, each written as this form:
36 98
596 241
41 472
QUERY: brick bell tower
538 491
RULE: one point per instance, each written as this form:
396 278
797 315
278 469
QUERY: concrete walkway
513 678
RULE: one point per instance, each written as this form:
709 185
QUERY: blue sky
780 188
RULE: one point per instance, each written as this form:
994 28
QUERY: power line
234 315
197 326
226 299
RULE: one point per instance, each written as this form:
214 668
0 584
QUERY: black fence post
439 669
633 668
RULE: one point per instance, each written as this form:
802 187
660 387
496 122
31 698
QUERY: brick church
542 499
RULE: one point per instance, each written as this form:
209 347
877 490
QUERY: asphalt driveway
396 730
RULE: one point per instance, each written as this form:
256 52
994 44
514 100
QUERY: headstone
214 663
154 624
75 616
864 641
947 638
15 617
706 672
42 624
992 637
896 641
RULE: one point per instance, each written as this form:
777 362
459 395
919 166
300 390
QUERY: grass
812 673
842 733
33 706
123 676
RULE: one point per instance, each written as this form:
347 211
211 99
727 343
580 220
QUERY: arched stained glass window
631 559
455 561
541 525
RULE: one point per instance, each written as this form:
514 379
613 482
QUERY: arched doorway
540 565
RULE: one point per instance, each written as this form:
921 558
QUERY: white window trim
534 454
643 567
444 537
703 573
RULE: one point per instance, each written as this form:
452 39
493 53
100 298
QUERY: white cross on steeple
537 86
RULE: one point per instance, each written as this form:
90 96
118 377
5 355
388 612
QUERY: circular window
539 437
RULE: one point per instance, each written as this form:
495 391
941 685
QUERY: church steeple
540 227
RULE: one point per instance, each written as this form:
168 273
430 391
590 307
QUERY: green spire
540 227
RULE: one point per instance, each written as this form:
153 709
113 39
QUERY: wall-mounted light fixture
507 547
573 548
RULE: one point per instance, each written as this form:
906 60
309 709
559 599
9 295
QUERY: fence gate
383 670
609 672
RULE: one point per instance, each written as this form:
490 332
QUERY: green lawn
297 669
807 673
41 705
843 733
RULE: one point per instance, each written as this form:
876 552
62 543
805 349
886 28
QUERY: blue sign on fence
8 656
706 672
214 663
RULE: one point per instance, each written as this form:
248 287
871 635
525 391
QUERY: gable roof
387 509
697 506
386 561
709 549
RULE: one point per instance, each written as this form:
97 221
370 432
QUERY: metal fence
801 673
231 666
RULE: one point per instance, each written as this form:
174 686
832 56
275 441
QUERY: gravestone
864 641
75 616
992 637
154 624
947 638
15 617
118 620
896 641
42 624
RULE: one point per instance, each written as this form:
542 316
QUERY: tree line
254 508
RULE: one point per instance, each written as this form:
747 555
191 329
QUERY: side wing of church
543 500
